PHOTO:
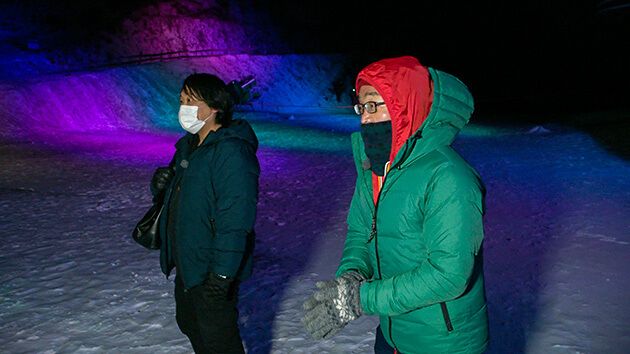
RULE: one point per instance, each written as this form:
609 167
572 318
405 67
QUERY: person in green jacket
413 252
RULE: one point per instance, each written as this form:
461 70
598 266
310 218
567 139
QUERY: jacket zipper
373 234
178 187
389 319
187 158
179 183
447 318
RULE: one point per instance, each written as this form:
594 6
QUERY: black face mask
377 138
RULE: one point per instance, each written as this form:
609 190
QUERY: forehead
367 91
189 93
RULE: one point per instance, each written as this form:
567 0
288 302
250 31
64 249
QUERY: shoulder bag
146 232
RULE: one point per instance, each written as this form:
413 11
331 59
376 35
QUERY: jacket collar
238 129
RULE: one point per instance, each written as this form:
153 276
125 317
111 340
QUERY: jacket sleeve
355 255
453 210
235 183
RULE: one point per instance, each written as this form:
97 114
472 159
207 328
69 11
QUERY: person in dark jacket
210 192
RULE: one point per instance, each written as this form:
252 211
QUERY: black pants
211 326
380 344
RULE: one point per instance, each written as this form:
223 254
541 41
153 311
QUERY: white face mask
188 119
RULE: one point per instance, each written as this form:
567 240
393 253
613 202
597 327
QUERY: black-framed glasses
370 107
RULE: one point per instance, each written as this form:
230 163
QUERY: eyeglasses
370 107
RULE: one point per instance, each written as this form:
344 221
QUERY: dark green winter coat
424 260
212 206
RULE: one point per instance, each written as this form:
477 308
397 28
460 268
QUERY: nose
365 117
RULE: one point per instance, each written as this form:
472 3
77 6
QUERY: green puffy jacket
424 261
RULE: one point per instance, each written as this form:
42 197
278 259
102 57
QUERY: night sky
523 55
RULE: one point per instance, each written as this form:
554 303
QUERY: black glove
161 179
218 287
336 303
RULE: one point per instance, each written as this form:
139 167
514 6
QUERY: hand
336 303
161 179
217 287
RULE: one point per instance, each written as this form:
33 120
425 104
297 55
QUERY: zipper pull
373 232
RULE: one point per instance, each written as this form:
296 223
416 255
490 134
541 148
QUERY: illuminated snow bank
147 96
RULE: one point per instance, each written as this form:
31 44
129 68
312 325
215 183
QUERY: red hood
407 90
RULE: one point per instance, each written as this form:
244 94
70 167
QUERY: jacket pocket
214 227
447 317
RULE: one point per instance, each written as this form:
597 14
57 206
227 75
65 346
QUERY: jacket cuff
365 291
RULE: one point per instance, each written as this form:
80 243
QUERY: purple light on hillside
201 29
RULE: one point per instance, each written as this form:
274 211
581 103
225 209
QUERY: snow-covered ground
77 149
73 281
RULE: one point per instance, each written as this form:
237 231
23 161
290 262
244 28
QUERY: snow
73 280
77 152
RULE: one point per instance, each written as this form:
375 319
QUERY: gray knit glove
336 303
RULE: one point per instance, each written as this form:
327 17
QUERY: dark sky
551 53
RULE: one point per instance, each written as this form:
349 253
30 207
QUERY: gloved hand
161 179
217 287
336 303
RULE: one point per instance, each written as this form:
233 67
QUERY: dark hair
213 91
